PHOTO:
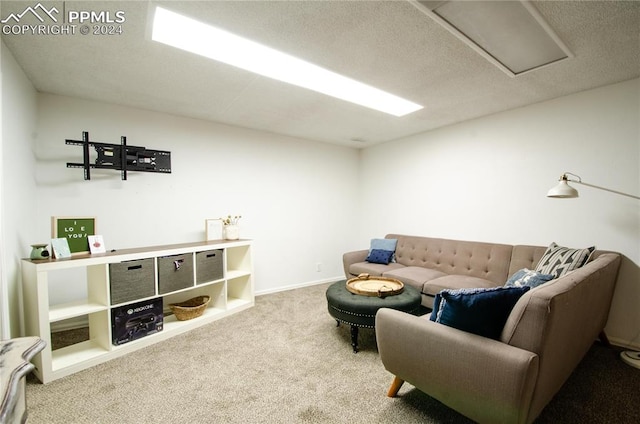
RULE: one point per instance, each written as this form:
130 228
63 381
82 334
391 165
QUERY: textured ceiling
387 44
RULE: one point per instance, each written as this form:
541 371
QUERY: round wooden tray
366 285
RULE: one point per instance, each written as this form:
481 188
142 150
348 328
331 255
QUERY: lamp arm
606 189
565 178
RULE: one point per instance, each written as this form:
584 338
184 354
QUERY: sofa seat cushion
453 282
415 276
371 268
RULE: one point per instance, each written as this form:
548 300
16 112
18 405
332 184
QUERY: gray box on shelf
175 272
209 266
131 280
136 320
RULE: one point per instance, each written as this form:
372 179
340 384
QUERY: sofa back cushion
524 256
489 261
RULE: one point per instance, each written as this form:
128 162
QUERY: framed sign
213 229
76 230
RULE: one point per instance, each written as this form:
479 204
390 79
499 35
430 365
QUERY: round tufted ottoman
360 311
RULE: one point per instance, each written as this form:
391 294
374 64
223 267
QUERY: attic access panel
120 157
510 34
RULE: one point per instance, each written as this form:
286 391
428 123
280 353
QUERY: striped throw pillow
559 260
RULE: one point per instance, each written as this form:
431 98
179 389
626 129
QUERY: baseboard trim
70 324
298 286
624 343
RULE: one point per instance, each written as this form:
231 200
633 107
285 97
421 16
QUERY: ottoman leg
337 323
354 338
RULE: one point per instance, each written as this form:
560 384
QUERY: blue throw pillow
479 311
527 277
384 244
379 256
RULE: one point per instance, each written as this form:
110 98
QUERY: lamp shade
563 190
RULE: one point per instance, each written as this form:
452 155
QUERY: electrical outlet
319 267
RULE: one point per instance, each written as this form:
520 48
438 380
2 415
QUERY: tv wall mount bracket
120 157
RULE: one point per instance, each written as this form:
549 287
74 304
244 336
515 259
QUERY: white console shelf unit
231 292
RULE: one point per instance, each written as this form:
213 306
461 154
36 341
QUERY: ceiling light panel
197 37
510 34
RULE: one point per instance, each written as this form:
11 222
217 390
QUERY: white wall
487 179
18 198
297 198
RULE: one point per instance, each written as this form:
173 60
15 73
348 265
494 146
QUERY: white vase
231 232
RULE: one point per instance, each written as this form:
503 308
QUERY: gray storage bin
208 266
175 272
131 280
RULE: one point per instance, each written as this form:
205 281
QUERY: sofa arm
483 379
350 258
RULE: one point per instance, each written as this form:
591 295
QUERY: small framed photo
76 230
213 229
96 244
60 248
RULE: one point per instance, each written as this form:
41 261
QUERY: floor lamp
564 191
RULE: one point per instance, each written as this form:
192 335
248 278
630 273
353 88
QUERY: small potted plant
230 227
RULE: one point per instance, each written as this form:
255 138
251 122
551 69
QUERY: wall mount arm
120 157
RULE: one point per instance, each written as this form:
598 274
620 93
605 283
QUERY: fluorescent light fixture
510 34
194 36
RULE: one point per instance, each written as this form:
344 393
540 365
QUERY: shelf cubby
231 291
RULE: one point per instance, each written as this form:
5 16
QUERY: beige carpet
285 361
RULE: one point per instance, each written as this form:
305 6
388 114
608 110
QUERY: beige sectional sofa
505 380
432 264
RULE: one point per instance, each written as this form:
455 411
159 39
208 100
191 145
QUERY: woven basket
191 308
